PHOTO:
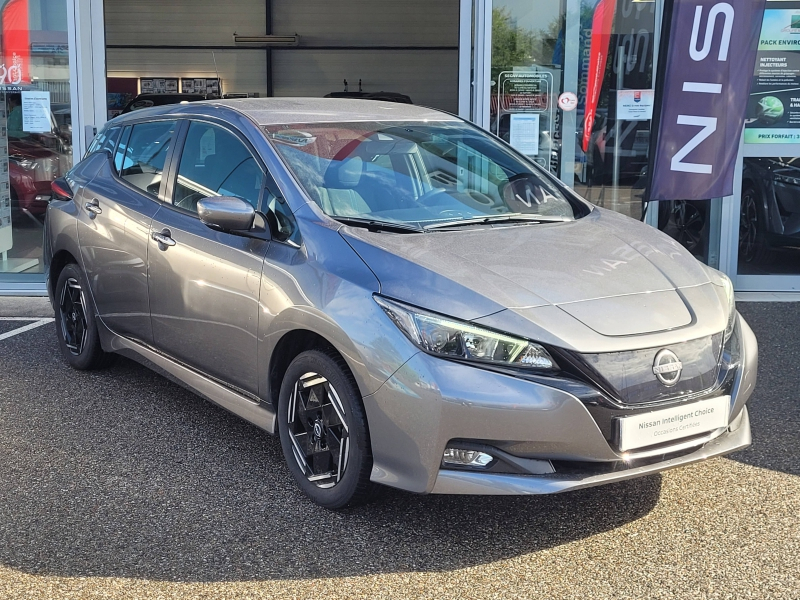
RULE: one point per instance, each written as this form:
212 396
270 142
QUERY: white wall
430 77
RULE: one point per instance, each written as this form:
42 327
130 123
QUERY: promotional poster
704 97
773 109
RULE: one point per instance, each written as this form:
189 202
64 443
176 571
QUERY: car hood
613 275
28 149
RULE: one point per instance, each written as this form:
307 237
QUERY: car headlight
450 338
728 285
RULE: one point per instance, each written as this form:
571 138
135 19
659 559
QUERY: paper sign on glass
635 105
36 112
524 133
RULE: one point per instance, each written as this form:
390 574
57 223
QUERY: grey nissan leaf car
400 296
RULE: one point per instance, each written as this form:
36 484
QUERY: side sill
251 411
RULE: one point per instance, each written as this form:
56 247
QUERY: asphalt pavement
121 484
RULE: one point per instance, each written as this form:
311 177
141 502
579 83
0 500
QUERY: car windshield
426 174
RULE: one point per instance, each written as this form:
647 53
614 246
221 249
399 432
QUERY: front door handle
93 208
164 240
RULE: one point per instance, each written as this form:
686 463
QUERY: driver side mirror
226 213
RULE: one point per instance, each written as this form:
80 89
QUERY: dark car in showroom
403 298
769 216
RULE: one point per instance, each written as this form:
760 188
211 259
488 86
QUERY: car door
117 206
204 284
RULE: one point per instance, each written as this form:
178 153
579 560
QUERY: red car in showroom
32 167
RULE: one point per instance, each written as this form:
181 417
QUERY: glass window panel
695 224
769 217
215 162
612 51
119 155
145 154
421 173
36 148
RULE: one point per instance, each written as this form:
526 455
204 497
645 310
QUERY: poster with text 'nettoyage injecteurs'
773 109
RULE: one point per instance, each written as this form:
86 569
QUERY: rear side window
141 158
215 162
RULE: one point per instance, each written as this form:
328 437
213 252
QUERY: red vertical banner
16 44
602 22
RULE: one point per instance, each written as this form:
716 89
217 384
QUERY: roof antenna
219 81
345 85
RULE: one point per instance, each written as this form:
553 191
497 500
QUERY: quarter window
215 162
105 140
141 157
119 155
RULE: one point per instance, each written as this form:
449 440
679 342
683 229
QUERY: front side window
215 162
418 173
142 153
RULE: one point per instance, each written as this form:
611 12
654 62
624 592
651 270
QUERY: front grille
630 376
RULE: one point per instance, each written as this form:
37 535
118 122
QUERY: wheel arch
57 263
290 345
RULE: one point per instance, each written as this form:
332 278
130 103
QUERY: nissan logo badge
667 367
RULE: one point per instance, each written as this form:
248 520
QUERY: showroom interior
70 65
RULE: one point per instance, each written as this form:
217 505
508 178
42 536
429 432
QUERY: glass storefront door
602 53
572 86
765 219
765 246
35 125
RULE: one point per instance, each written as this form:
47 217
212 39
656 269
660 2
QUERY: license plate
659 426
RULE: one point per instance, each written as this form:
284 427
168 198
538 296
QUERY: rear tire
323 431
753 247
75 322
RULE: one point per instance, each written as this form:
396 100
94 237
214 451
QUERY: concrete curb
26 306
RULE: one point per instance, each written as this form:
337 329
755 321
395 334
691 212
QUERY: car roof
285 111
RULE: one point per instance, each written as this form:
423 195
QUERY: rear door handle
93 208
163 238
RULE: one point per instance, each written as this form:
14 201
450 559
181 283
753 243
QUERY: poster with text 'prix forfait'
773 109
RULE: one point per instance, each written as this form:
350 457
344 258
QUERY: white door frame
87 71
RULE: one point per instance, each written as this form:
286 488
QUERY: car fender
61 235
324 287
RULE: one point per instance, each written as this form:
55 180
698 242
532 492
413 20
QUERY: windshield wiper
374 225
508 218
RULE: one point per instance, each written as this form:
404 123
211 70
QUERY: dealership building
527 70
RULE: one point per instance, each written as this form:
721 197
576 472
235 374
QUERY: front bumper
465 482
430 402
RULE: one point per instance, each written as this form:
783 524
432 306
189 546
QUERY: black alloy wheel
323 431
689 222
752 242
73 316
75 322
318 430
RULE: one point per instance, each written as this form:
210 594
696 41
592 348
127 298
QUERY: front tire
323 431
75 322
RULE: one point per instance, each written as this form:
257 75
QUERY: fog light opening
467 458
